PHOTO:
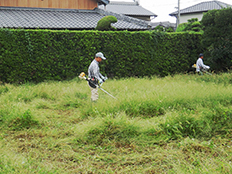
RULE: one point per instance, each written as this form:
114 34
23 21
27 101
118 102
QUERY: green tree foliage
105 23
163 29
181 27
159 28
170 29
193 25
217 38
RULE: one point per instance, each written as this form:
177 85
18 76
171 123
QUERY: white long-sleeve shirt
94 71
200 65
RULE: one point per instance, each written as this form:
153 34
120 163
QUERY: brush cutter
202 70
82 76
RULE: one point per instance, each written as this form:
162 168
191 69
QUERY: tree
105 23
181 27
217 38
170 29
160 28
193 25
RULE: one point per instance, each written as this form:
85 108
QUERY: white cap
99 54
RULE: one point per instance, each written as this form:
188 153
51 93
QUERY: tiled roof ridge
123 17
196 5
219 3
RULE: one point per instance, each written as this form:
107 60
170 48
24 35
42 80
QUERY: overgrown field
179 124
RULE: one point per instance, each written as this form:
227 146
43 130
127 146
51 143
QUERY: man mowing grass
200 66
95 76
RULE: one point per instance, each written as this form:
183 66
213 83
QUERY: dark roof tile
63 19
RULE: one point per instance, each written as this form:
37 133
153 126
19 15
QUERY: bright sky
163 8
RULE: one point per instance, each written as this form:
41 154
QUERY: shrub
181 27
105 23
159 28
193 25
170 29
217 38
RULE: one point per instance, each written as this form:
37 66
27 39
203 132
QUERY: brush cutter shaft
107 92
205 71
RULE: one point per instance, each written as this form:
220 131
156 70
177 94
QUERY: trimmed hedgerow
39 55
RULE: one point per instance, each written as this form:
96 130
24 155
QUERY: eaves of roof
202 7
31 18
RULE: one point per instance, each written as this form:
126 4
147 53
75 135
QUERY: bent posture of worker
200 66
95 76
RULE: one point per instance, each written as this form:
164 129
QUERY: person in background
200 66
95 76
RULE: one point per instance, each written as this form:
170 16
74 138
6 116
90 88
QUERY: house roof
30 18
165 24
202 7
105 2
128 8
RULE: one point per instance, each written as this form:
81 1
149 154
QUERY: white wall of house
184 17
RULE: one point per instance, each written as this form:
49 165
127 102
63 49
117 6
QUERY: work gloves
206 68
100 81
104 79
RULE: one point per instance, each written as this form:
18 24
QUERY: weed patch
3 89
25 121
217 122
110 131
142 109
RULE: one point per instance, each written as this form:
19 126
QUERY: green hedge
39 55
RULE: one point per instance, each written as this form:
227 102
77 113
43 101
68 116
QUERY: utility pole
178 18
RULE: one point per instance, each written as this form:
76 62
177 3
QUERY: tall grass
176 124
